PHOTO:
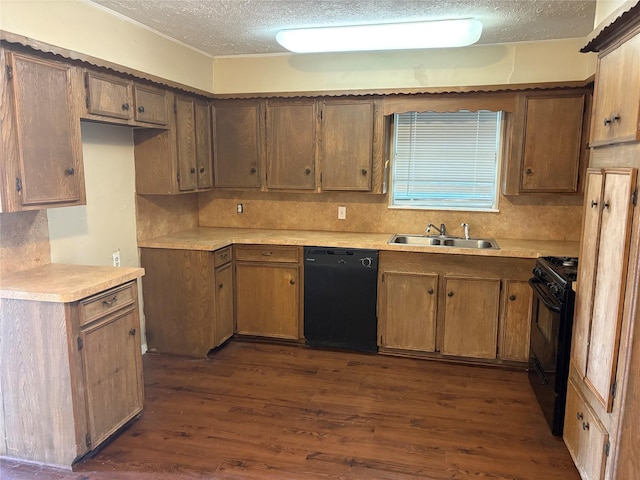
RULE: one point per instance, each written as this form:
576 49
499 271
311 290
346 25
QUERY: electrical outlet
342 213
239 208
115 257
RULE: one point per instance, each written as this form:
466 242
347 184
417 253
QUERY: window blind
446 160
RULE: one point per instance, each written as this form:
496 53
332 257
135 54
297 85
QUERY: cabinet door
237 144
108 96
186 143
223 325
112 366
179 294
151 105
611 271
291 145
516 321
203 145
552 144
617 95
44 137
587 269
408 311
584 436
347 145
470 325
268 300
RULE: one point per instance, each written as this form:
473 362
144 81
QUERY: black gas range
551 330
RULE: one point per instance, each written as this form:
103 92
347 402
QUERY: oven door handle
544 296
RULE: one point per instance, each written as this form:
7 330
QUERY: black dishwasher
340 292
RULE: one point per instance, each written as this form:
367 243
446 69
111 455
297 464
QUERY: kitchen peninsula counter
214 238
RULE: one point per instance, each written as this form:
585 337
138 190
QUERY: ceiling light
390 36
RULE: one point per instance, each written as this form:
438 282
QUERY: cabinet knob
141 109
615 117
125 106
450 294
193 170
585 425
253 170
607 121
220 285
363 171
579 416
70 171
307 171
528 171
201 169
292 281
430 291
594 204
132 332
605 205
512 297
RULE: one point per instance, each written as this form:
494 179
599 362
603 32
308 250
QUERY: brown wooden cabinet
548 147
41 143
188 300
470 325
117 99
238 143
71 376
177 160
585 437
268 291
449 305
616 111
291 133
602 273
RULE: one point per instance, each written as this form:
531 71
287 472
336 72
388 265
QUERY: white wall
89 234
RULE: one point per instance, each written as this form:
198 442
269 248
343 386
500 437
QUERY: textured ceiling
236 27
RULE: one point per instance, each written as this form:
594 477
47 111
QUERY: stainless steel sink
440 241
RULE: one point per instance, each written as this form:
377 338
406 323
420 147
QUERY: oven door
545 325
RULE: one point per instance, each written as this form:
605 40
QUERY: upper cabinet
237 143
41 161
176 160
548 146
114 99
291 144
616 112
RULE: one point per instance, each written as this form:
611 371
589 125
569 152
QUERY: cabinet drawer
222 256
267 253
98 306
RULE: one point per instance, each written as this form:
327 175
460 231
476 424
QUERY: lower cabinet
268 291
455 306
585 437
71 374
188 300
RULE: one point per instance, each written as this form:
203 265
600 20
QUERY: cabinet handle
594 204
201 169
132 332
607 121
292 281
363 171
108 303
450 294
266 254
224 255
141 109
512 297
220 285
585 425
615 118
125 106
307 171
579 416
253 170
193 170
605 205
70 171
430 291
528 171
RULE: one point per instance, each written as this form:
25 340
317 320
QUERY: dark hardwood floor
260 411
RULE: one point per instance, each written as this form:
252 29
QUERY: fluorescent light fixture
390 36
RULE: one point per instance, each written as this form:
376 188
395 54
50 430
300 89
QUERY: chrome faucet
466 230
442 230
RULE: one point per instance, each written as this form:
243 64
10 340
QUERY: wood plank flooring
261 411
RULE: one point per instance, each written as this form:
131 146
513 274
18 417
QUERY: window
446 161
